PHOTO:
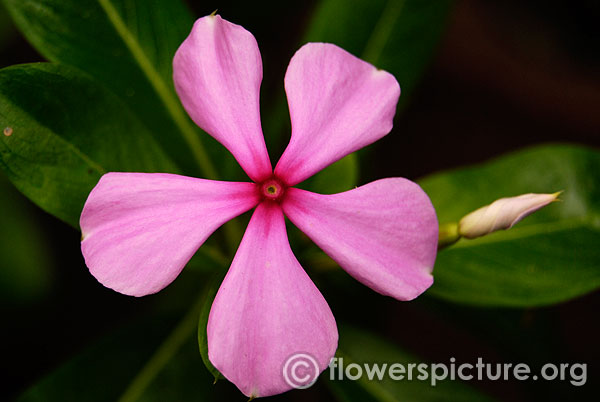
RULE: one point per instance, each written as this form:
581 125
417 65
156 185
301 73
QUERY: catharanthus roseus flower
139 230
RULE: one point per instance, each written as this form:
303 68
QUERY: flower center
272 189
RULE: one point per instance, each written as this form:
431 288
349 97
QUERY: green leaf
26 271
549 257
336 178
65 132
395 35
209 297
364 348
128 46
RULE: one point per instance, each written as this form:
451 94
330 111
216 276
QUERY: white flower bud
502 214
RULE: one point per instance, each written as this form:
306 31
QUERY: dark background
507 74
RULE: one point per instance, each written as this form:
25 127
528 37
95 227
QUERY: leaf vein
160 87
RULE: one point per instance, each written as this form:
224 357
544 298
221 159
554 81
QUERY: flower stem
448 235
180 334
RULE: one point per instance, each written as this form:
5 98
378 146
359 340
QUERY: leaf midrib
382 30
160 87
163 354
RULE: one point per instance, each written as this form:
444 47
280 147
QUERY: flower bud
502 214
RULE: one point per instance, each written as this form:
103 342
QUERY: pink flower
139 230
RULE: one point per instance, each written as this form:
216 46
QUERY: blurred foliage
338 177
139 362
26 268
362 347
7 28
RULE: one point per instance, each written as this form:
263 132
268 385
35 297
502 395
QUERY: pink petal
140 229
217 72
267 309
338 104
384 233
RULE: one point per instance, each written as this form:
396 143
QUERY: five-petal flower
139 230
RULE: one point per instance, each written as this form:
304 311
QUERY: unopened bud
502 214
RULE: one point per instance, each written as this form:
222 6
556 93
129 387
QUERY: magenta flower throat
140 230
